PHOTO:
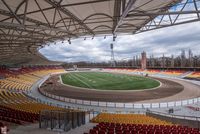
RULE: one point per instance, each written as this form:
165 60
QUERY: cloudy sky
166 41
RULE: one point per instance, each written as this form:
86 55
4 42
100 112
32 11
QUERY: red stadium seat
112 128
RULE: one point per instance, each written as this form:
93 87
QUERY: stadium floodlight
69 41
114 37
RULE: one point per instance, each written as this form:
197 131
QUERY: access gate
61 120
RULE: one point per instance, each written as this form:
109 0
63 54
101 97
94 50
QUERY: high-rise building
163 61
183 58
172 61
152 61
190 55
134 61
143 60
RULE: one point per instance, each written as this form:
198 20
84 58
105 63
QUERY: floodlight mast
112 56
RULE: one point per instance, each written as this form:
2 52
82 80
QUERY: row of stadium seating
20 102
128 119
15 106
24 78
116 128
195 74
173 72
16 116
152 71
26 70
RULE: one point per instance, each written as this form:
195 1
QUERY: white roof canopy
26 25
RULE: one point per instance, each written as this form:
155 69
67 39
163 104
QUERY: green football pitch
108 81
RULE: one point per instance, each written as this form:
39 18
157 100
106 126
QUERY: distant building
163 63
134 61
152 61
172 61
190 56
183 58
144 60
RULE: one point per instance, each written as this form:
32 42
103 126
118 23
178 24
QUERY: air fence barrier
122 105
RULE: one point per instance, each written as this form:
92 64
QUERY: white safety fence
172 116
110 104
123 105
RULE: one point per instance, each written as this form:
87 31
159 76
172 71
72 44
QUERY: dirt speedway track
170 90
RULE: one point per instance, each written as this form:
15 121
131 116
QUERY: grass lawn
108 81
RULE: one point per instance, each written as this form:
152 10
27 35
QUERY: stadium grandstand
148 96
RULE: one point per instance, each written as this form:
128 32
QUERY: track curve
169 90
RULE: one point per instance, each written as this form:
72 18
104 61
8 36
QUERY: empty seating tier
194 76
16 116
116 128
15 106
23 79
128 119
19 101
173 72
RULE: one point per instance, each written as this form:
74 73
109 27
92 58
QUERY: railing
196 118
191 121
122 105
110 104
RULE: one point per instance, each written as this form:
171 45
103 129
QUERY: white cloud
163 41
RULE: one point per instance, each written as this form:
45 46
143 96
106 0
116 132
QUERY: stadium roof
26 25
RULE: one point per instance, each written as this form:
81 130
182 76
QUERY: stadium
108 93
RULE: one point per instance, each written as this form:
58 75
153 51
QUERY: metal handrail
173 115
143 105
